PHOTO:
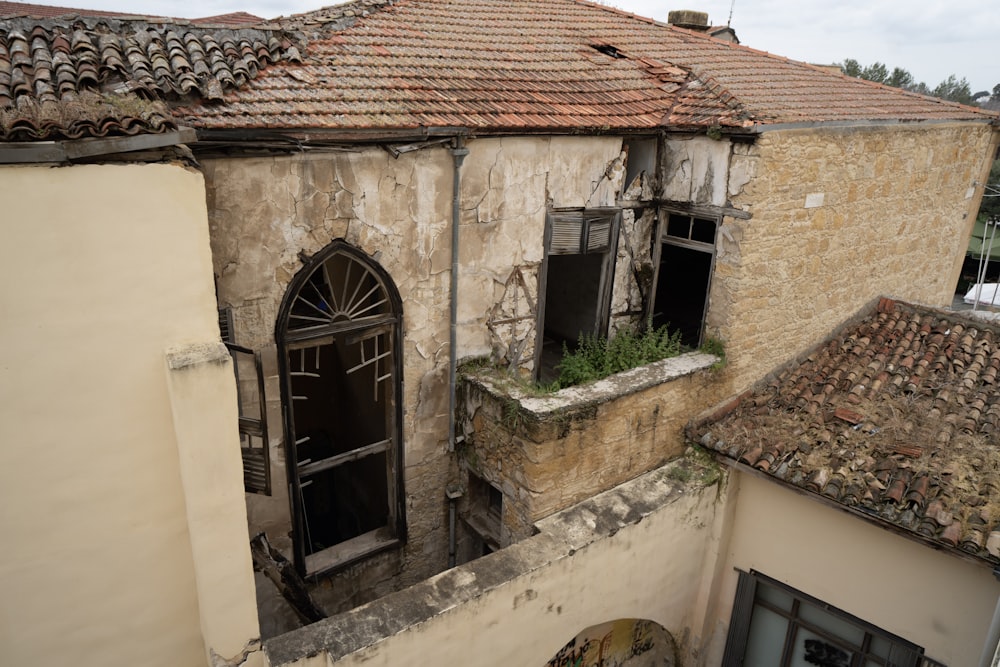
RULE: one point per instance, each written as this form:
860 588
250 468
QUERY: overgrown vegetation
595 357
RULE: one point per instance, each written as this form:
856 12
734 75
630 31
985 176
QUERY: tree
952 88
955 90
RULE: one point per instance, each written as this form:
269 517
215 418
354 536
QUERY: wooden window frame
591 222
664 237
393 532
256 460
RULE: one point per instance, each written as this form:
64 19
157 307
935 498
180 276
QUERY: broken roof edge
698 430
68 151
870 518
297 139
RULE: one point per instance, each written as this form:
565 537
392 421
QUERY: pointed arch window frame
347 314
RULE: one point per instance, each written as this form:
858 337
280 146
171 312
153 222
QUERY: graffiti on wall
622 643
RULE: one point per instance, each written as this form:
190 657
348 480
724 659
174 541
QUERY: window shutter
226 325
567 230
576 231
252 419
599 234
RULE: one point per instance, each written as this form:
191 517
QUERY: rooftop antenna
730 21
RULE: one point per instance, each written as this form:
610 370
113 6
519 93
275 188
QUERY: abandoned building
303 278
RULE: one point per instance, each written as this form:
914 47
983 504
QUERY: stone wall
839 217
547 453
266 213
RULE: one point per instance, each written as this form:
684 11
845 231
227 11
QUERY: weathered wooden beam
282 573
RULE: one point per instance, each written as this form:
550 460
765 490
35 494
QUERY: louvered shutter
226 325
252 420
567 232
598 232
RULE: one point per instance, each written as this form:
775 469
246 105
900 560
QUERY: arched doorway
338 336
626 642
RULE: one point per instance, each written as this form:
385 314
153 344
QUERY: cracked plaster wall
840 217
508 184
264 212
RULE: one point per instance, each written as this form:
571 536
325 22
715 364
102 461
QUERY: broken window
252 419
773 624
338 337
684 274
576 279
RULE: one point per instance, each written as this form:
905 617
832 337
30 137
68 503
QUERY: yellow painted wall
106 559
932 598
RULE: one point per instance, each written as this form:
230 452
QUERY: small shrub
595 358
715 347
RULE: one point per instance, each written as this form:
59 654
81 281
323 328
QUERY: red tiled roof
51 63
23 9
542 65
488 65
897 417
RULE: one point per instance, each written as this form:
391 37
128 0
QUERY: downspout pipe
458 153
991 649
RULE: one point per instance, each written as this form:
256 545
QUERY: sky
932 39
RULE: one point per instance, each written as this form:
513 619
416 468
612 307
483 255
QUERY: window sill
347 553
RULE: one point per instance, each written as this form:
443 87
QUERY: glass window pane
836 626
812 650
766 639
777 597
880 647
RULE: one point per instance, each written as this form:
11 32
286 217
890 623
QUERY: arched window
338 336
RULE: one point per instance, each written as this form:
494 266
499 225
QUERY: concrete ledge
562 535
601 391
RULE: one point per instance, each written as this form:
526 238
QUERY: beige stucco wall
627 555
264 212
929 597
839 217
115 521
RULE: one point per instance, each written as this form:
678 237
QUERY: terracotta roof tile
921 454
489 65
53 62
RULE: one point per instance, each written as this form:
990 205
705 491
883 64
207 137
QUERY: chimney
686 18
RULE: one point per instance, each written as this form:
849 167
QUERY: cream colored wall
839 217
110 546
929 597
649 569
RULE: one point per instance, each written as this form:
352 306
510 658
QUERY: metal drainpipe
991 649
458 153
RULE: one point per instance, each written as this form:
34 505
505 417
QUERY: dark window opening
775 625
341 383
684 276
577 276
483 519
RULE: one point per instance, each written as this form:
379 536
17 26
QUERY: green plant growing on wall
715 347
595 357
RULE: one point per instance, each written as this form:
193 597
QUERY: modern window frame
902 653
